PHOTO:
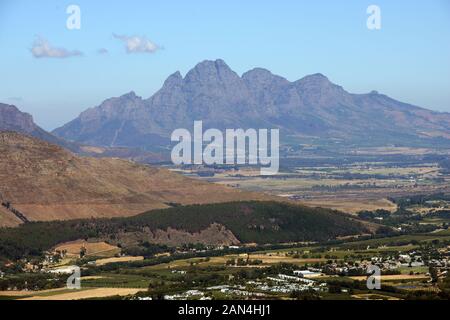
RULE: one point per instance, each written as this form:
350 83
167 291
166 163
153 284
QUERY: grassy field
84 294
98 249
111 280
102 262
395 277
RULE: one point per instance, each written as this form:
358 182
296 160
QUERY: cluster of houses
360 268
188 295
286 283
302 280
236 291
391 263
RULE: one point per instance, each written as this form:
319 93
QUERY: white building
64 270
307 274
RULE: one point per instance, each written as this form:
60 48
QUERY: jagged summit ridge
214 93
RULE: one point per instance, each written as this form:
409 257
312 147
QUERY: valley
387 207
363 181
225 159
350 180
412 268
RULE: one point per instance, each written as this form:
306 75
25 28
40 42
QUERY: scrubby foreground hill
225 223
311 107
42 181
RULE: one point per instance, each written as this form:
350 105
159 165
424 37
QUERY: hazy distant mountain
12 119
310 107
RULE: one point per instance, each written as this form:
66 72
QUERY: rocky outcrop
215 234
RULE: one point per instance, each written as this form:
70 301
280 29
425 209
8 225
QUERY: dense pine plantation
259 222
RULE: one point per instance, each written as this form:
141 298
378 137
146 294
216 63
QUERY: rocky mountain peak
12 118
214 93
262 77
211 71
318 87
315 79
130 95
174 80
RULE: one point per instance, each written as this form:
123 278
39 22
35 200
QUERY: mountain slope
233 223
45 182
12 119
312 106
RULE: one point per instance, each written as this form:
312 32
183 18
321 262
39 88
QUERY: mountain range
312 107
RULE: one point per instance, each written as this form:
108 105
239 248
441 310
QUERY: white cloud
135 44
102 51
43 49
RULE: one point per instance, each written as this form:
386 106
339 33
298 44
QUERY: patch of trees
259 222
445 165
243 262
352 285
32 282
146 249
305 295
14 211
440 214
399 217
370 215
404 202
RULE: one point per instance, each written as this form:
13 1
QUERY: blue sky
408 59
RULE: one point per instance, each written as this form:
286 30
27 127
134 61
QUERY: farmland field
84 294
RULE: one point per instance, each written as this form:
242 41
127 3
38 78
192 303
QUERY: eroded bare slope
46 182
